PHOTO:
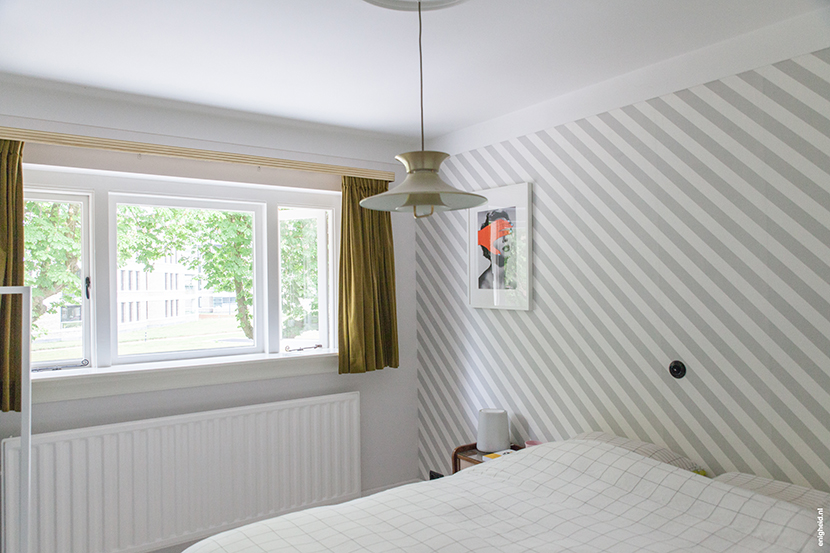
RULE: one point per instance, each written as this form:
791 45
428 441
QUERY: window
56 258
304 277
214 240
216 244
186 267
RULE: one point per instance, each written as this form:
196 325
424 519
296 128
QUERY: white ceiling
352 64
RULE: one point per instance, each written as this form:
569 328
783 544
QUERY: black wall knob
677 369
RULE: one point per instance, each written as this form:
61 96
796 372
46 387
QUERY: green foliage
218 244
52 256
146 234
298 276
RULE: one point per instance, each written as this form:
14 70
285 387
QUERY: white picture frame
499 248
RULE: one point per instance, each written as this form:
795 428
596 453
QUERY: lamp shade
422 189
493 431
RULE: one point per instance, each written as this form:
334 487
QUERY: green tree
225 253
218 244
52 256
298 275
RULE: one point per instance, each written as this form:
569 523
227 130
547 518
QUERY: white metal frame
25 412
325 277
101 185
85 199
259 274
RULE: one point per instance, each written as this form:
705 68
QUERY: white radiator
149 484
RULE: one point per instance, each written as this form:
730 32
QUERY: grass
203 333
56 353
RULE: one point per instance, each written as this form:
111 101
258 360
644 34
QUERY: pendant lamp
422 191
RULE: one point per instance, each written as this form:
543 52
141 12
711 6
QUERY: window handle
288 348
87 284
81 363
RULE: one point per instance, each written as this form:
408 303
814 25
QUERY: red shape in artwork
497 229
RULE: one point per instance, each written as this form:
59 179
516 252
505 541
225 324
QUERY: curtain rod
61 139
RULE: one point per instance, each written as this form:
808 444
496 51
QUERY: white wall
36 104
388 397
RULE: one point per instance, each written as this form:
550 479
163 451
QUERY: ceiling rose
412 5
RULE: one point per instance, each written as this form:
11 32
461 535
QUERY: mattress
570 496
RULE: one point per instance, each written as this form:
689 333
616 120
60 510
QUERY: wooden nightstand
465 456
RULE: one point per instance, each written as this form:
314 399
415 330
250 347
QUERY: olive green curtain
11 271
367 316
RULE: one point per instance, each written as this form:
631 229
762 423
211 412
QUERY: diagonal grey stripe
585 361
782 132
821 267
823 55
817 120
691 226
755 346
807 78
630 395
483 347
639 262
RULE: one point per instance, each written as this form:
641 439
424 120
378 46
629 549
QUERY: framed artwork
499 248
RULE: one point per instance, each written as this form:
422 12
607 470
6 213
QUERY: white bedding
574 496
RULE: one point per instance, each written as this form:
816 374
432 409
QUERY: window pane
54 269
303 271
195 267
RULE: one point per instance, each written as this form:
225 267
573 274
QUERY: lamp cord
421 61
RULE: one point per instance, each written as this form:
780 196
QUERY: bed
578 495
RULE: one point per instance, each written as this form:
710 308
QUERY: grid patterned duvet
575 496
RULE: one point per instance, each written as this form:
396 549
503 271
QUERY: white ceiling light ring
422 187
422 160
412 5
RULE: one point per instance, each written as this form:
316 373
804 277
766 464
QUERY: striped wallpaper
694 226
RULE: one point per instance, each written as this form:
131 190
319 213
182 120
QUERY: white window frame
85 199
325 277
103 376
259 254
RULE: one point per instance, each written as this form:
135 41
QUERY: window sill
69 384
